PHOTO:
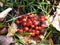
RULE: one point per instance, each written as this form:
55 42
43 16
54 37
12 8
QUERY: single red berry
37 32
24 23
45 18
35 18
42 19
24 19
32 15
19 30
37 27
30 30
17 21
33 31
32 34
32 26
26 28
34 21
30 23
43 25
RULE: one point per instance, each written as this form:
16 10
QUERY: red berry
43 25
32 34
28 20
37 27
30 23
17 21
30 30
26 28
32 15
19 30
24 19
42 19
45 18
36 23
24 31
24 23
33 31
35 18
42 16
37 32
32 26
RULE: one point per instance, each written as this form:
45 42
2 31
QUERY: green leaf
48 20
33 43
44 44
0 44
18 40
1 24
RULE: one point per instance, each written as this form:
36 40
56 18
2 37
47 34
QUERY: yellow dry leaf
12 29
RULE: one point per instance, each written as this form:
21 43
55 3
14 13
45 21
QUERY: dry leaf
12 29
56 21
6 40
4 13
3 31
1 4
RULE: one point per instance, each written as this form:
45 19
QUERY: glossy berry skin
37 32
32 26
19 30
26 28
43 25
24 20
33 31
31 23
17 21
36 23
45 18
24 24
42 19
32 34
30 30
39 28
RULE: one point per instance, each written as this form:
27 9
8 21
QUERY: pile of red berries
31 23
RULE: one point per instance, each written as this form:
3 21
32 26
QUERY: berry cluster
31 23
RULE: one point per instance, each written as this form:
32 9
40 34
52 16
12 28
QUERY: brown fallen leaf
3 31
4 40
